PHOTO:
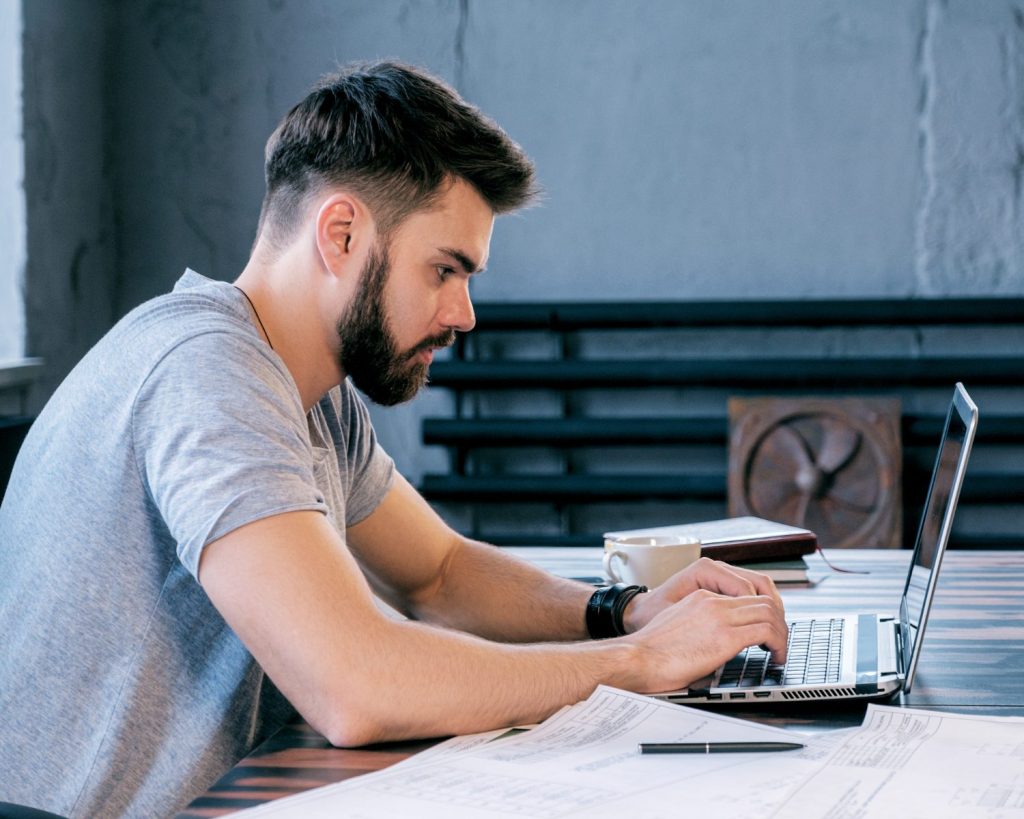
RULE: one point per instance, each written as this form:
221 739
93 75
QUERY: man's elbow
353 715
349 733
351 729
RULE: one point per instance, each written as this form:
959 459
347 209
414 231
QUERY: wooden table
972 662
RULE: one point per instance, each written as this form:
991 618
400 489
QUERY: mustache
445 339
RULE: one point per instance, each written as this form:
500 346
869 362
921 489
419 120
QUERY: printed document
911 763
583 761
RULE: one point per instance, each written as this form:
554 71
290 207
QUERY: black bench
12 433
16 377
571 419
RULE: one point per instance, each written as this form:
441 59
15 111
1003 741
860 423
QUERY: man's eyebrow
465 262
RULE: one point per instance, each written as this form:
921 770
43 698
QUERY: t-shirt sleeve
372 470
221 440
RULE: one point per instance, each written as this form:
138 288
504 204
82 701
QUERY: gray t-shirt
122 690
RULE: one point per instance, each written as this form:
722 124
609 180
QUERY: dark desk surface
975 632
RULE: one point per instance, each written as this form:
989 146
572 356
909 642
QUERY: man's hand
712 575
691 638
702 616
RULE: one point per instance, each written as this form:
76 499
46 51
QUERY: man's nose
458 310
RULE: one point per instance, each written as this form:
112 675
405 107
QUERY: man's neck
287 305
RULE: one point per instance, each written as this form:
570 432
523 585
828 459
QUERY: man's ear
344 230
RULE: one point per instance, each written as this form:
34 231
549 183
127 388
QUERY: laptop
858 656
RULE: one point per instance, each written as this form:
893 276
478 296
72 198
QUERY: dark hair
393 135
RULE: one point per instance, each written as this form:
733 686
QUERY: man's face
413 296
368 350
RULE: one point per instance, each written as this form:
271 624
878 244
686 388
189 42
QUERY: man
200 517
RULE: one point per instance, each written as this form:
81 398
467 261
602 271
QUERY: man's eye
444 272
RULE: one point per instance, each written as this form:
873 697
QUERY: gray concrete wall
71 273
691 149
749 149
12 196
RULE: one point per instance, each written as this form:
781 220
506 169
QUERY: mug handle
609 570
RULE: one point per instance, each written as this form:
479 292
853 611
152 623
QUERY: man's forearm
421 681
360 676
492 594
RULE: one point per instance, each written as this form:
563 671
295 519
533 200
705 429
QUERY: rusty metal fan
831 465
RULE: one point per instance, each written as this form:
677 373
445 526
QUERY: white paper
911 763
581 762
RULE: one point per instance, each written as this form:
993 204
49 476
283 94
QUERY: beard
368 352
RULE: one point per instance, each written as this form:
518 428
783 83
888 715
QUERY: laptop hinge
888 647
867 654
902 644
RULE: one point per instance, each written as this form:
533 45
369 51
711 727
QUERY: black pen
715 747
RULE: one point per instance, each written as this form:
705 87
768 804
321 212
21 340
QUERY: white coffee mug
648 561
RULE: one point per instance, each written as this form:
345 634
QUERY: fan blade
790 509
818 522
769 494
786 450
839 444
800 509
834 524
861 495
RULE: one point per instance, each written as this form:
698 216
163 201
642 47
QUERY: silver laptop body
859 656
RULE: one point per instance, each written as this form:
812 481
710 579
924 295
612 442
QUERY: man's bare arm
429 572
295 596
423 568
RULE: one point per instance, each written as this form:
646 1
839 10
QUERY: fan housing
831 465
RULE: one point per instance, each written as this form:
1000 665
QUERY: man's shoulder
200 317
190 340
195 305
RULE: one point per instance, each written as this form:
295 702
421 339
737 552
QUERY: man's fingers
767 637
724 579
762 583
772 637
758 621
736 581
692 637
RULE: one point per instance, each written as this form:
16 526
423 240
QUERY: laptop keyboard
813 657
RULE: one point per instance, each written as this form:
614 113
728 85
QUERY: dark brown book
794 570
737 540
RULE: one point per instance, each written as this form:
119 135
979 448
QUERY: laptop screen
936 524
